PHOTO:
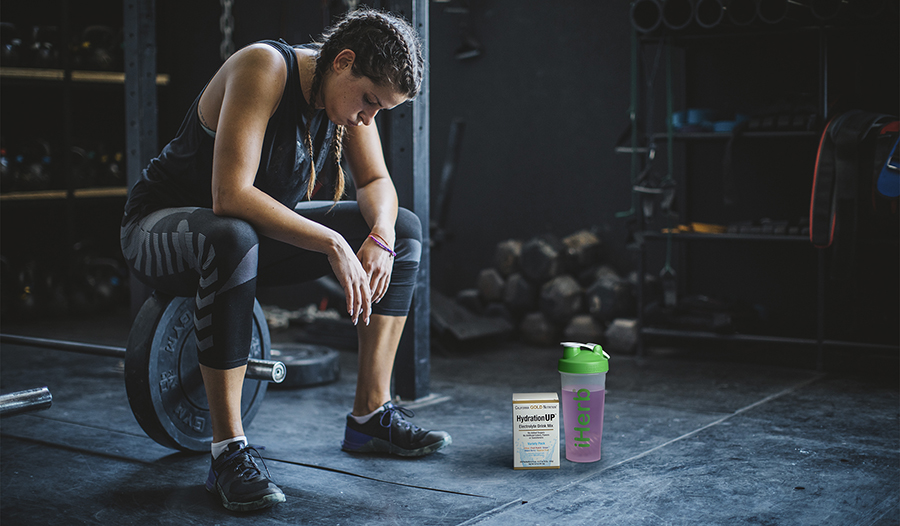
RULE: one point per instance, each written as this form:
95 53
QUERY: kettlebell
10 46
96 48
44 50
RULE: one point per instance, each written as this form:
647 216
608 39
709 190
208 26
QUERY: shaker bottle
583 370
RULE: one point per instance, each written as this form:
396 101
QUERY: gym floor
691 436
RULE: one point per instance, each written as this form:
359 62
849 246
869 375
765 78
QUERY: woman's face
351 100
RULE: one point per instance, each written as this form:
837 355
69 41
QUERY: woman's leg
378 344
193 252
223 394
374 425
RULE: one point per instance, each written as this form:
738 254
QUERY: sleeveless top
182 173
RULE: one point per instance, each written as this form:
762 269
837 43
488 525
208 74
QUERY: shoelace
388 416
246 468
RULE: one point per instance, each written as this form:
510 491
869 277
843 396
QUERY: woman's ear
343 60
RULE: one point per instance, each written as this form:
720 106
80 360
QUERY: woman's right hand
353 279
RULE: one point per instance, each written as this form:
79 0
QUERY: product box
535 431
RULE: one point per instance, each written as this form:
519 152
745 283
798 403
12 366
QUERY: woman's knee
409 237
408 225
229 235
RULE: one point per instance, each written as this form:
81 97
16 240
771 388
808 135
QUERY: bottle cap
583 358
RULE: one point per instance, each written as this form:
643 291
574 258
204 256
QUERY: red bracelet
380 242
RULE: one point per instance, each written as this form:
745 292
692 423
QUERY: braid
312 168
338 143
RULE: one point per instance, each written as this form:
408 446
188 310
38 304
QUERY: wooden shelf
694 236
56 75
707 136
81 193
758 338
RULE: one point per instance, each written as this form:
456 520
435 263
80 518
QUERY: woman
219 211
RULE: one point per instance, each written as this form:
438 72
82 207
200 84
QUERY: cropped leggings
221 260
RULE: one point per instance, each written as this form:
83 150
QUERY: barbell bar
263 370
25 401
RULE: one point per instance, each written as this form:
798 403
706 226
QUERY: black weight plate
162 375
306 364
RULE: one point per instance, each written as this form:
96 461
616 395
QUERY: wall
543 107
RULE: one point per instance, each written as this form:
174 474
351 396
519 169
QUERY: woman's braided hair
388 52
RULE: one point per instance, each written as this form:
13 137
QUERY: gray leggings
220 261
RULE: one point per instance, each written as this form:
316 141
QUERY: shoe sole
266 501
378 445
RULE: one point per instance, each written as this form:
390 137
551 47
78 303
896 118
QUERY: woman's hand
354 279
378 264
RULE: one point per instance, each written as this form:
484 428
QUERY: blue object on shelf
724 126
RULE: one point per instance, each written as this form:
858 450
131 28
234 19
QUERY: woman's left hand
378 264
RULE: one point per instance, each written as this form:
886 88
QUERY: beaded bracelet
380 242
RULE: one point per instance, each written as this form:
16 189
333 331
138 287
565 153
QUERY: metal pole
25 401
140 104
264 370
407 155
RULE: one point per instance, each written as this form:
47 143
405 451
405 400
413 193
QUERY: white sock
365 418
219 447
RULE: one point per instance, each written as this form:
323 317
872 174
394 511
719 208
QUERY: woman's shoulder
258 54
258 63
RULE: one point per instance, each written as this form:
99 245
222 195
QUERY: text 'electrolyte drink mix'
535 431
583 369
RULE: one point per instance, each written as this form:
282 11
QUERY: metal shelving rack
644 236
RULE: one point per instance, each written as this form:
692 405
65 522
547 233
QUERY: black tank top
182 173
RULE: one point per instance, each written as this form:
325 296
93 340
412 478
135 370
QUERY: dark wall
543 106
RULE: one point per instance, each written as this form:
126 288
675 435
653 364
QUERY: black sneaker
240 484
389 432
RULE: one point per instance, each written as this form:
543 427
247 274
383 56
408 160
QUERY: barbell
26 401
162 375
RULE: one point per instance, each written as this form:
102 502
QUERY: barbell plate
163 379
307 364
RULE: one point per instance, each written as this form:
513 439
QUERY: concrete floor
690 437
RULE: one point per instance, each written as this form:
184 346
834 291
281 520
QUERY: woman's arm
377 200
375 191
250 86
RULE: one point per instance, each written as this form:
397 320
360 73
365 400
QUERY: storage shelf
702 147
701 136
727 31
701 335
688 236
81 193
56 75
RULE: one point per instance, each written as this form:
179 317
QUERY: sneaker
389 432
240 484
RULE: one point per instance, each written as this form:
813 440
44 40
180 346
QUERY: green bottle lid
583 358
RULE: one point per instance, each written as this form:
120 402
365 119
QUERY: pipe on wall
778 11
742 12
646 15
678 14
709 13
